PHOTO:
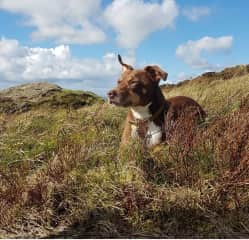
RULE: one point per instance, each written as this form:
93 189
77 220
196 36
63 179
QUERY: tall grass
220 95
62 174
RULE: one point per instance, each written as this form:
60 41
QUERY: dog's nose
112 93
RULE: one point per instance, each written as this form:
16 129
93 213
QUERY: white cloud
83 22
181 76
134 20
191 52
195 13
65 21
20 64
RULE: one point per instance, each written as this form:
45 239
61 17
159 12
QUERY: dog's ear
125 66
156 72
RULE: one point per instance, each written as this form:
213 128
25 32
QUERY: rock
25 97
31 92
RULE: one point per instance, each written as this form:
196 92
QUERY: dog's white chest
153 135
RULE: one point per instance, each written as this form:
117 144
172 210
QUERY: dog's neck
148 120
147 111
141 112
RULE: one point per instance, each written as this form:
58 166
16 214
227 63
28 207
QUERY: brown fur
140 87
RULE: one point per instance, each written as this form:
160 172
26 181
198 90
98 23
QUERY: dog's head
136 87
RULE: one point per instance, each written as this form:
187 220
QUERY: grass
62 98
217 96
62 173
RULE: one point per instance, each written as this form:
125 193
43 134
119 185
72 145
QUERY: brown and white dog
149 111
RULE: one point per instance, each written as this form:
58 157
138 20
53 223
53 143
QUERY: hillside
211 89
34 95
62 174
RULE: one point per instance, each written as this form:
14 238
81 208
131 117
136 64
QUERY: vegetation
62 173
217 92
26 97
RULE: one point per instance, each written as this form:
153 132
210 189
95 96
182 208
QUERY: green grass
62 173
58 99
215 96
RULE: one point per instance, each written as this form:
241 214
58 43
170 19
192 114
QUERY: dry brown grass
219 93
62 174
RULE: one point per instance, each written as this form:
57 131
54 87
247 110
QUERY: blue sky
74 43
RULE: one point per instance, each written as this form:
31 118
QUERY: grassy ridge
216 92
62 173
26 97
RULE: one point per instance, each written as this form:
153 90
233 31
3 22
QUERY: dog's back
181 116
179 105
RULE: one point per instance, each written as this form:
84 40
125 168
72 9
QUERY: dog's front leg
126 136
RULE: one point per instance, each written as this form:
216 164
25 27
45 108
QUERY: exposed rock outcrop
24 97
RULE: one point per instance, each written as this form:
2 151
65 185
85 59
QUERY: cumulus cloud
83 22
134 20
66 21
195 13
191 51
20 64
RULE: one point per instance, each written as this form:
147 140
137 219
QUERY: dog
150 113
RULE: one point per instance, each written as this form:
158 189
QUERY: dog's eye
119 81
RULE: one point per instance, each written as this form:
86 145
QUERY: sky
74 43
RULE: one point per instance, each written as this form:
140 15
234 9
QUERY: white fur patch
141 112
154 133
